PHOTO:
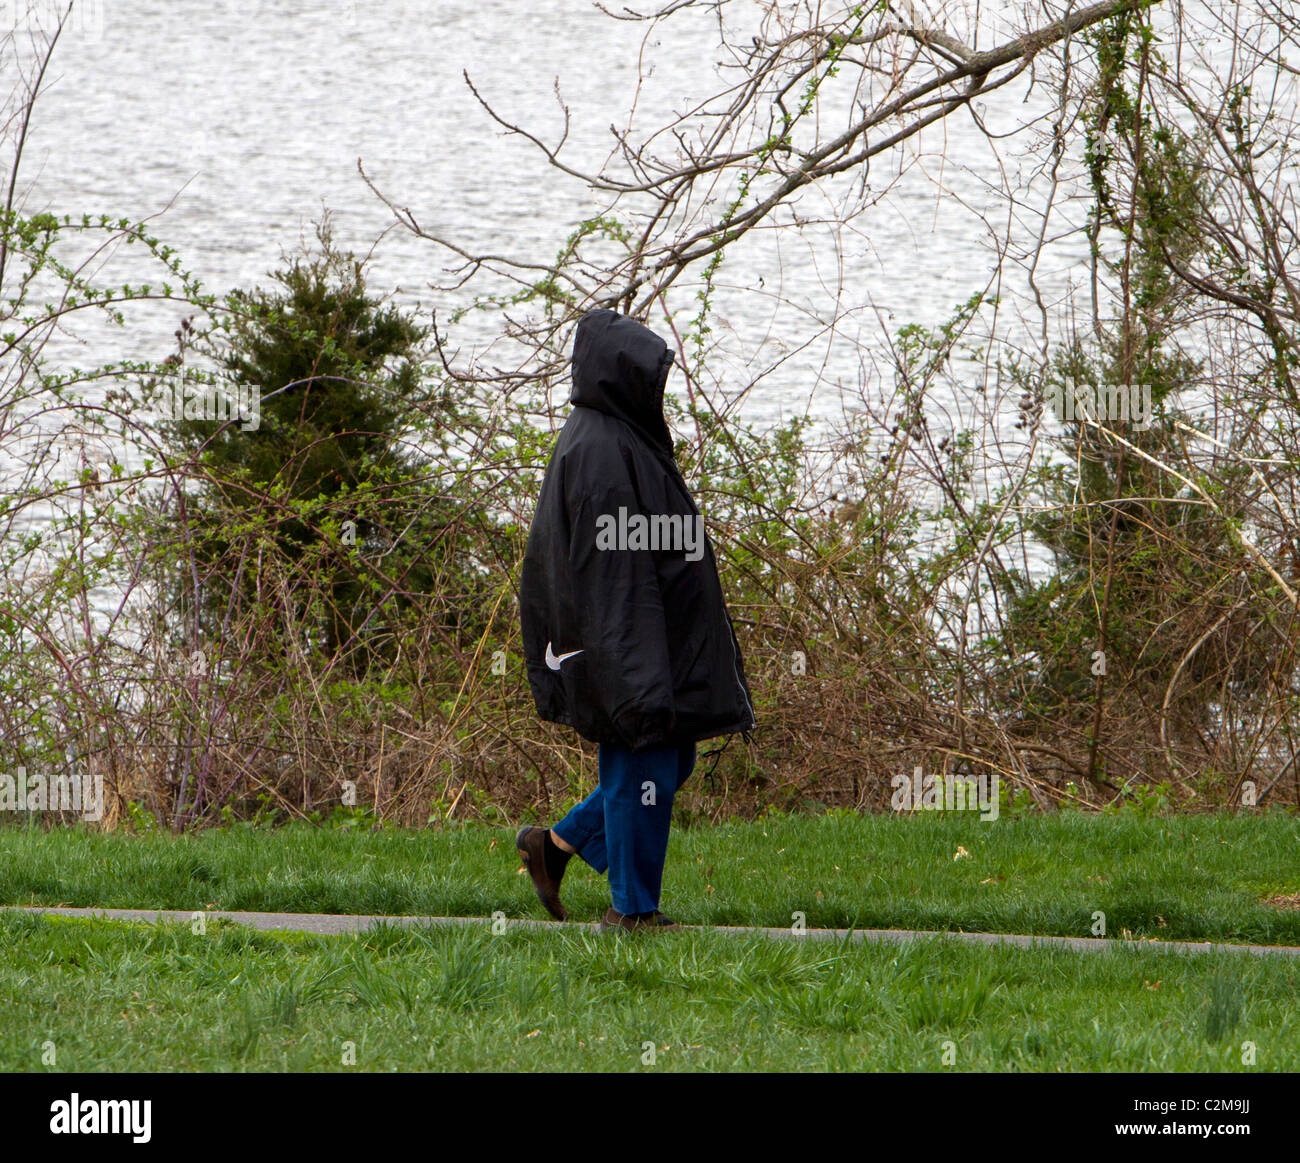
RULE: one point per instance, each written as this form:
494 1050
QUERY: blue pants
623 825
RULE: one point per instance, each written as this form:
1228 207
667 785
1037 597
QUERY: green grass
113 997
1189 877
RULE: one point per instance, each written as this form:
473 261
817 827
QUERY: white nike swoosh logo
553 660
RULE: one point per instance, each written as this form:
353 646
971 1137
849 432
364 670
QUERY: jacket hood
620 368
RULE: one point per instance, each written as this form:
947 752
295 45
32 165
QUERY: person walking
626 634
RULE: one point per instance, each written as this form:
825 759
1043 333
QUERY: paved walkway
333 923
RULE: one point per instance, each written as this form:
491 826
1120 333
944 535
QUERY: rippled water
239 120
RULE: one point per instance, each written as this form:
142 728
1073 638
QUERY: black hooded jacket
626 635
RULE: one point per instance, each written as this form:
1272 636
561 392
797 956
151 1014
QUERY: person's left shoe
654 922
532 845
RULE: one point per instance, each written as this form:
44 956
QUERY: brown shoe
654 922
531 843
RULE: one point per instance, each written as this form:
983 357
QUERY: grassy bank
111 997
1208 877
